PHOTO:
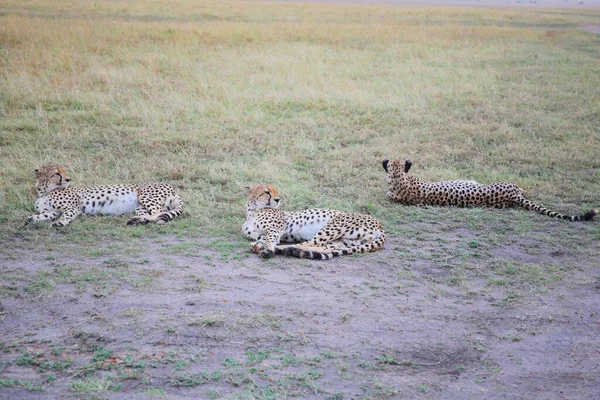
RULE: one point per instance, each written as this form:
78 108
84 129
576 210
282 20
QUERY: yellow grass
212 96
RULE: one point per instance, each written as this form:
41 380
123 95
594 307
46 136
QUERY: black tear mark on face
407 165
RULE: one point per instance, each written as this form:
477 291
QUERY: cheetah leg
45 215
141 211
337 239
272 238
344 244
367 243
152 208
157 211
393 196
67 216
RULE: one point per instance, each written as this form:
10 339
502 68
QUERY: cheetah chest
111 204
43 204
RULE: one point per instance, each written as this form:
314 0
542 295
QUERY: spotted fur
152 202
318 233
408 189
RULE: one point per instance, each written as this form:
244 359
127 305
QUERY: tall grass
212 96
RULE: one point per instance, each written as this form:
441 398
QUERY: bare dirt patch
189 318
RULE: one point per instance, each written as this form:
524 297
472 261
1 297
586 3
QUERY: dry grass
212 96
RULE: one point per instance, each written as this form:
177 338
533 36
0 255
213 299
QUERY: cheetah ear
407 165
36 172
247 189
385 164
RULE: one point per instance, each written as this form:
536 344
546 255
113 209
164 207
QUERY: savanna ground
214 96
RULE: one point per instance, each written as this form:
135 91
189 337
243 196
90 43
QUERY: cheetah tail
311 253
530 205
174 212
325 253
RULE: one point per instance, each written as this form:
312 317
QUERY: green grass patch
30 386
94 385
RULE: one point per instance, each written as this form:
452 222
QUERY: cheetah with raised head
411 190
318 233
152 202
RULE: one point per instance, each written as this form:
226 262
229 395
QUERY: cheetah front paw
58 224
257 247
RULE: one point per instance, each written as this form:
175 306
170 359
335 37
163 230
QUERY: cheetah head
397 172
49 177
262 195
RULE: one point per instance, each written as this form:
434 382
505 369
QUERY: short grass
214 96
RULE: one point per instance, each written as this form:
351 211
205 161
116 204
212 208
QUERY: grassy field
214 96
311 98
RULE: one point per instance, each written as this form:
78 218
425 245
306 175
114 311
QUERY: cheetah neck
251 210
415 180
41 192
407 183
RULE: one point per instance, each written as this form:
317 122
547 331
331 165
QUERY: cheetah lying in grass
411 190
152 202
319 233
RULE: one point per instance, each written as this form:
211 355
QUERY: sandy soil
374 326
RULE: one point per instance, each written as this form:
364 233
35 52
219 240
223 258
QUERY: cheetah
411 190
152 202
317 233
